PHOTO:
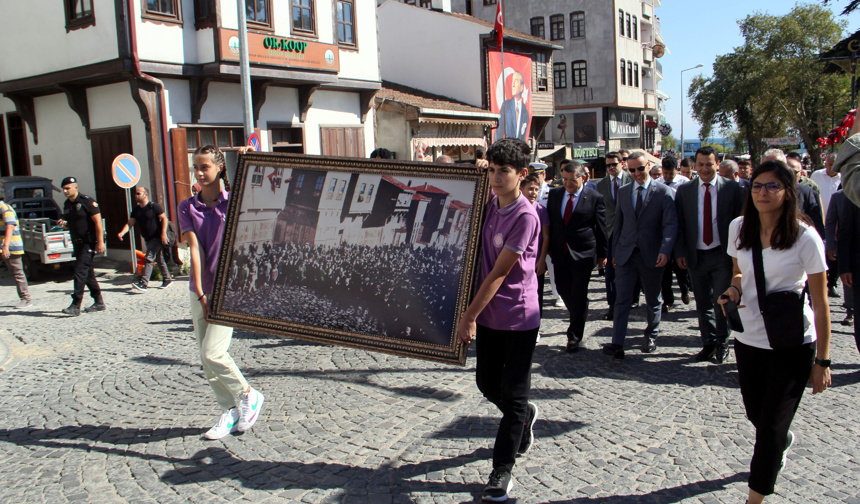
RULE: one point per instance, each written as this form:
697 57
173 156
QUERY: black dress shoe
608 315
848 320
832 292
650 346
572 347
706 353
722 354
614 351
667 308
685 298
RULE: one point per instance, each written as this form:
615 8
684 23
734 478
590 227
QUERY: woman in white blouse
772 381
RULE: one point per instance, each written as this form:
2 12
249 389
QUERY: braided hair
218 160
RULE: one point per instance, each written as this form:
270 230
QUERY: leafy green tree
670 142
774 82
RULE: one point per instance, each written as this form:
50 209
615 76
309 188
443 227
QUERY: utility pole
245 70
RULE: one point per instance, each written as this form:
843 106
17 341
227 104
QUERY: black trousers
832 273
571 280
711 277
609 276
680 275
85 274
540 279
772 383
503 375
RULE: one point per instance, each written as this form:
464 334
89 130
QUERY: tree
774 82
670 142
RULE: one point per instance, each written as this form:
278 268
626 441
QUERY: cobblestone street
111 407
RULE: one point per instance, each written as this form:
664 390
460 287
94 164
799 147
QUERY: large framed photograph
372 254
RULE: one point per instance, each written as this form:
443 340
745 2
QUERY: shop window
541 71
577 24
346 22
556 27
538 27
559 75
623 73
162 10
79 14
303 17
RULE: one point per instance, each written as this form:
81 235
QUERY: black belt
709 251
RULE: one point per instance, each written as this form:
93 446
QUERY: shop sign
587 152
546 145
623 124
280 51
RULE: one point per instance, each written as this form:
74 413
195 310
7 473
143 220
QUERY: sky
697 32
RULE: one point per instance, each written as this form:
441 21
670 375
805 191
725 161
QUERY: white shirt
635 191
676 182
567 196
700 242
783 270
612 181
827 184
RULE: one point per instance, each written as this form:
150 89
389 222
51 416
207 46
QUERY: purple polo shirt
208 224
515 227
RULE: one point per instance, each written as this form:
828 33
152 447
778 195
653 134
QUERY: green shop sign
283 44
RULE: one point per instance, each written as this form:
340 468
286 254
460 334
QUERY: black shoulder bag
782 312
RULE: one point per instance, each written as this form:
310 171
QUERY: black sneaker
139 286
167 283
94 308
528 432
498 487
73 310
614 351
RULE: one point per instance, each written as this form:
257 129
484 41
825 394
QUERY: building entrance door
107 144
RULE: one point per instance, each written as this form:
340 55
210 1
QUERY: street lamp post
682 105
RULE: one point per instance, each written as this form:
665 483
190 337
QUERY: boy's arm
540 266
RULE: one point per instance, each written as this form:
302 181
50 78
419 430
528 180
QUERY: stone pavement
111 407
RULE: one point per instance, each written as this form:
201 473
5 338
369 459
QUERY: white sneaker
559 303
226 424
250 405
788 444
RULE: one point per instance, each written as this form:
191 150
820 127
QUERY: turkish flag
500 25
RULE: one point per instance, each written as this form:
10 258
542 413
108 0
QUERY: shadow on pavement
392 478
486 427
663 495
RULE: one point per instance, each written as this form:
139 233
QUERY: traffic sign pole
131 240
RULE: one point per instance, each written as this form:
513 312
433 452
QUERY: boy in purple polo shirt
530 187
504 315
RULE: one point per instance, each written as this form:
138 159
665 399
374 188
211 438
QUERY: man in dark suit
608 188
643 236
834 211
848 252
706 207
730 169
514 115
577 242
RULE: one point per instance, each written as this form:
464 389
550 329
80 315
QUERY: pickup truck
46 245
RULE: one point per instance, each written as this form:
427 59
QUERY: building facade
86 80
606 76
436 98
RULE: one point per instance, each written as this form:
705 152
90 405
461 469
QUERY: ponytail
218 159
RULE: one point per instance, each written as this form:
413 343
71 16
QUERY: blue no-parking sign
254 142
126 171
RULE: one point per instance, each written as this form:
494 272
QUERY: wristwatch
825 363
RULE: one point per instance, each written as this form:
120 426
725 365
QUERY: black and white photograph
368 253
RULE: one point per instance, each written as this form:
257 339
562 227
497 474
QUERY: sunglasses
640 168
624 159
771 187
611 165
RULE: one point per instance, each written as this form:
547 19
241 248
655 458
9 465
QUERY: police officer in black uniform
82 217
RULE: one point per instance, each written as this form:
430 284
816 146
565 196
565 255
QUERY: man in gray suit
706 207
608 187
643 236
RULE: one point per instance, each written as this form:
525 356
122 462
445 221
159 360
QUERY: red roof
459 205
418 197
429 189
401 185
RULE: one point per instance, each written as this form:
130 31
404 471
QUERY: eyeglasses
611 165
624 159
640 168
771 187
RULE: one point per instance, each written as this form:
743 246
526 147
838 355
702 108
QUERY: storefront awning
442 142
547 153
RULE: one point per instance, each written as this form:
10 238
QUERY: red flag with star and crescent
500 25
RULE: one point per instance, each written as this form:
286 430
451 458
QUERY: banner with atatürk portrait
511 94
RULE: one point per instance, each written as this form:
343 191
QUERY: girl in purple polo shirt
201 219
504 316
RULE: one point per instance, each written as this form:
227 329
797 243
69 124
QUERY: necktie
615 188
708 218
568 210
639 201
